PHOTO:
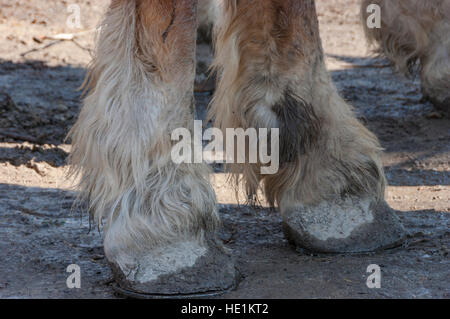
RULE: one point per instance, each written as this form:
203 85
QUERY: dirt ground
42 232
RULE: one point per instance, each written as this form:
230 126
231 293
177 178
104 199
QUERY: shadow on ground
42 233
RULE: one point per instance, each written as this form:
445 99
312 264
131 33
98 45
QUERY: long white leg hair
140 88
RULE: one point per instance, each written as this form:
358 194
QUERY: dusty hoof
343 226
213 273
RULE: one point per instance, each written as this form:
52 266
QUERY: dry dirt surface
42 232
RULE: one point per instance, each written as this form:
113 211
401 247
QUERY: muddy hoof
212 274
344 226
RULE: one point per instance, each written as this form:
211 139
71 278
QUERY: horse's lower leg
330 186
160 218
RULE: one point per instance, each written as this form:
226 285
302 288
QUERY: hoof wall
213 274
345 226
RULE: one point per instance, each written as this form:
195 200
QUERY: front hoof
160 275
348 225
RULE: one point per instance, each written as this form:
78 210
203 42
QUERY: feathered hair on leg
207 15
271 72
415 36
140 87
407 27
329 188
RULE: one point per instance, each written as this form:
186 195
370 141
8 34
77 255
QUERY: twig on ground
40 48
58 38
67 36
21 137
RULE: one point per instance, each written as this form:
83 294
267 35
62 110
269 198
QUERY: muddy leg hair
207 15
272 74
140 89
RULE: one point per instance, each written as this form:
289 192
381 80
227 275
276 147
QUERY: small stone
61 108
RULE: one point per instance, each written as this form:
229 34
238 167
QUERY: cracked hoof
185 270
348 225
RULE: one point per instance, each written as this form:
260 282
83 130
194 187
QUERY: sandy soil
42 232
